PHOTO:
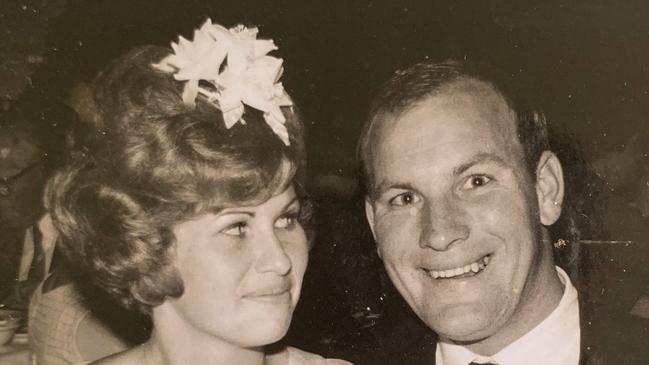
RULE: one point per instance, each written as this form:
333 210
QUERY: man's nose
443 224
272 256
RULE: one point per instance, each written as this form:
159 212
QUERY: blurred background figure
22 177
63 327
27 142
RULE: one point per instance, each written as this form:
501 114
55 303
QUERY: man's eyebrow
483 157
385 185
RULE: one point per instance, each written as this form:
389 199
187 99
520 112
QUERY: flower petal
184 45
254 98
244 34
220 33
278 128
190 92
250 76
189 73
265 70
238 58
281 97
263 46
230 98
164 65
276 112
206 26
232 116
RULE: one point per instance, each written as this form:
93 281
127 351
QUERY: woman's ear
549 188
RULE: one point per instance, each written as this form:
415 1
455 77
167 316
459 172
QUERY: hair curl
149 162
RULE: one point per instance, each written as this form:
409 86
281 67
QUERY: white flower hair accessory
235 63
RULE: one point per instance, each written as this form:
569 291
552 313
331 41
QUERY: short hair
406 88
146 162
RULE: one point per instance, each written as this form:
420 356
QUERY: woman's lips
271 293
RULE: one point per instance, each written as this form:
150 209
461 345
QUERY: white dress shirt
555 340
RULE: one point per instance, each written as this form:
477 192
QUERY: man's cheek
389 228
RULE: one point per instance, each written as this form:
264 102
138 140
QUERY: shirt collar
556 340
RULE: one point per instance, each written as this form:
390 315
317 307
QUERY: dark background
584 62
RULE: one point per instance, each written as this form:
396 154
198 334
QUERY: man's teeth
474 267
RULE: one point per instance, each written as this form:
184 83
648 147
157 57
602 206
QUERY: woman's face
242 270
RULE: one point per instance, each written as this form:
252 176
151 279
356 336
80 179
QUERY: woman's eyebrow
248 210
229 211
292 202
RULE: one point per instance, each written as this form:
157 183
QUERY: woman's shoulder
300 357
134 356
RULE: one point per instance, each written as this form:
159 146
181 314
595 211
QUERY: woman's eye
238 229
403 199
286 221
476 181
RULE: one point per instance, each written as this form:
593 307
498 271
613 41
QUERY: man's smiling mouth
461 272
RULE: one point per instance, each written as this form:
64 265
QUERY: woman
185 202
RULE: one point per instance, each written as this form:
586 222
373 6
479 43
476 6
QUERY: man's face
454 212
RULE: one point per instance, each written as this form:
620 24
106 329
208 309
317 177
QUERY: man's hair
406 88
146 162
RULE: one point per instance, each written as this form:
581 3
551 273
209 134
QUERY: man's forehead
474 104
474 94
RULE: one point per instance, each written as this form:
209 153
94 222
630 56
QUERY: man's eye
403 199
238 229
287 221
476 181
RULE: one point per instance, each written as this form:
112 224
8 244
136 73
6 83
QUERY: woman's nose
272 255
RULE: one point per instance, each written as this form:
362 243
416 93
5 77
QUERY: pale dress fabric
293 356
54 323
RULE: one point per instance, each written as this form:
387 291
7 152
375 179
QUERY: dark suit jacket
612 338
400 339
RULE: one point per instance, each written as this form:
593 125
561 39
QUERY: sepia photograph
365 182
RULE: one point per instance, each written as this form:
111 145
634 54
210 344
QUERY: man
461 187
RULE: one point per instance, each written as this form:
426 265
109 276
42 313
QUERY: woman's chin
268 333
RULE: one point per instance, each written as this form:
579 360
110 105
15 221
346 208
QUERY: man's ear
369 214
549 188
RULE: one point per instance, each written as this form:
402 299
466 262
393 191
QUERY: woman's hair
148 162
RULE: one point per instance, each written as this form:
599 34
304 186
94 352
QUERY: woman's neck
175 342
